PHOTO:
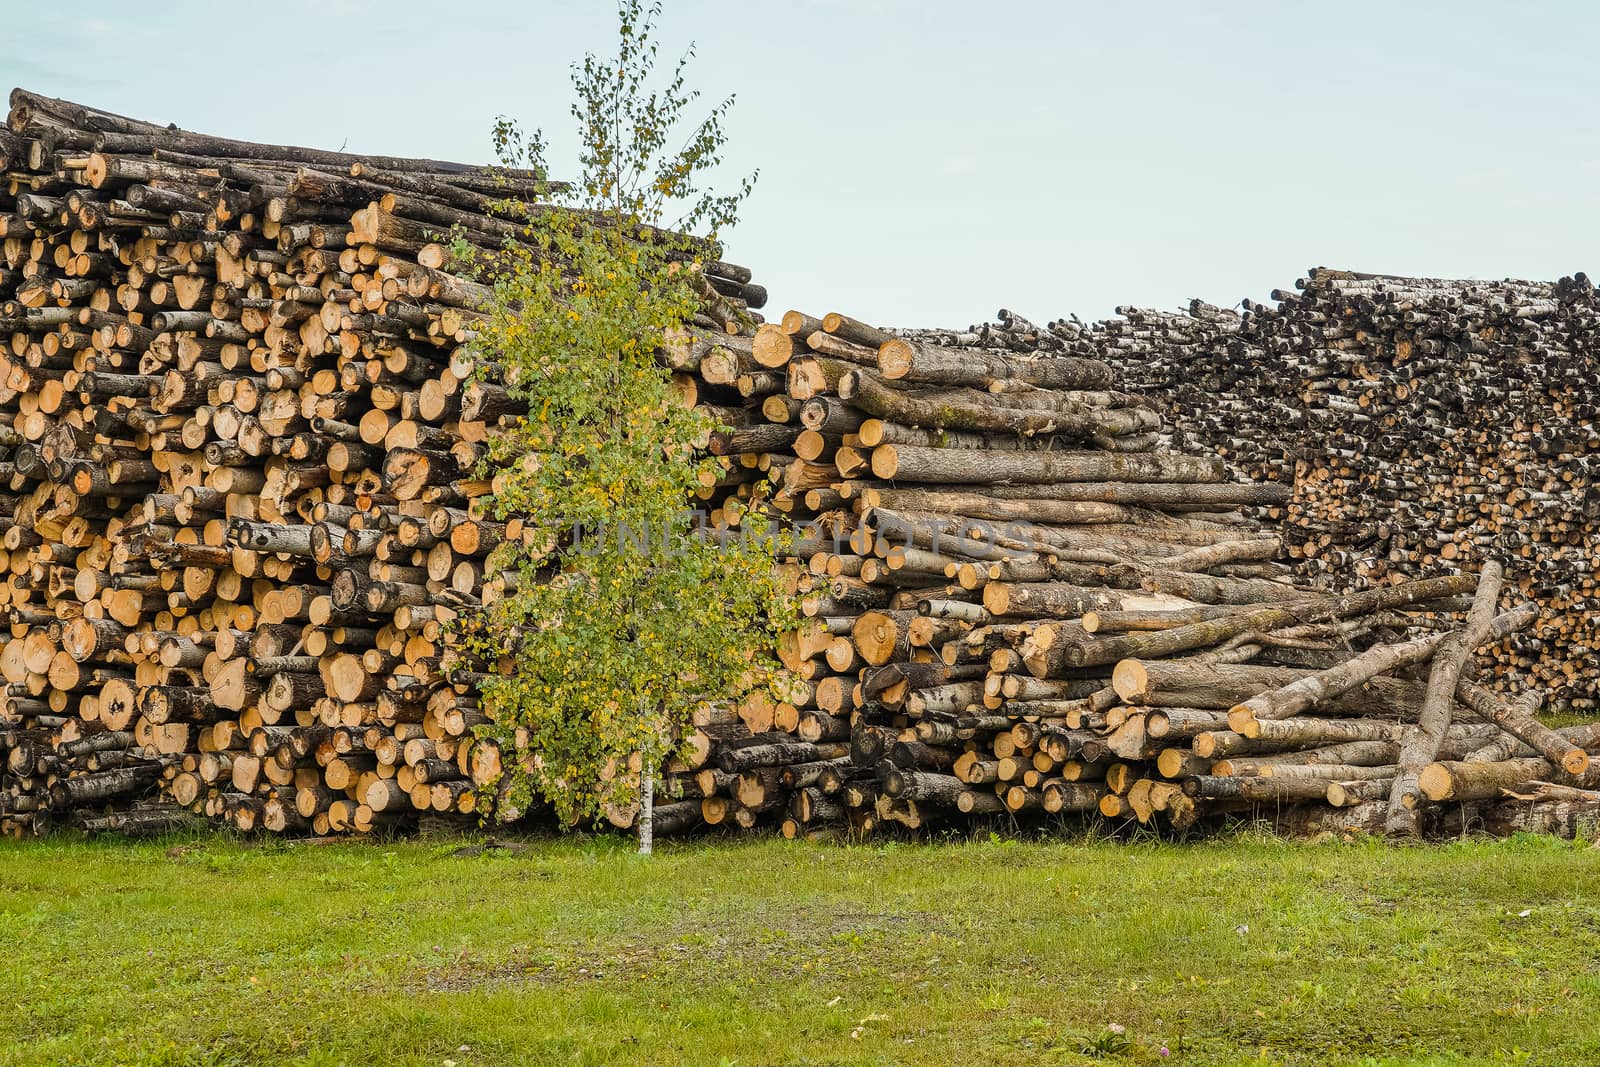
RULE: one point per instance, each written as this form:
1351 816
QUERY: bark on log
1421 745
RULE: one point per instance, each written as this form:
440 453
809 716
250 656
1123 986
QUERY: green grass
1557 717
768 952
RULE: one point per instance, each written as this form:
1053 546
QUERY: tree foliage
623 613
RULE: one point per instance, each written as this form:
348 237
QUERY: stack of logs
238 507
1427 425
241 514
1018 603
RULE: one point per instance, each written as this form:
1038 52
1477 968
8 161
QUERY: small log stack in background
1427 425
242 513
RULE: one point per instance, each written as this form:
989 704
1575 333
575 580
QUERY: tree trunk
647 806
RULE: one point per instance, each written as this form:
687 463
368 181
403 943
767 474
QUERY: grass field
767 952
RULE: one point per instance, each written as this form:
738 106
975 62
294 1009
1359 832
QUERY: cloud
95 25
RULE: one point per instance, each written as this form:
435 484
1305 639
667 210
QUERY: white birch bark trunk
647 801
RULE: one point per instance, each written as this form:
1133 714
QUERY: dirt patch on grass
775 944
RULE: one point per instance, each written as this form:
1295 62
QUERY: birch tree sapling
625 615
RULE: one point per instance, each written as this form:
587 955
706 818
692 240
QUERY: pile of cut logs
1017 602
240 514
1427 425
238 507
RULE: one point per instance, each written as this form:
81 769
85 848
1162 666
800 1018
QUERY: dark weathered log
1310 819
912 464
1544 811
92 788
1268 790
930 788
779 753
986 413
900 358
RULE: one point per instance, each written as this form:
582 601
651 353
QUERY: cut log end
1131 680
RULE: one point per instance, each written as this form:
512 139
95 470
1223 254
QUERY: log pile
238 507
1019 604
1427 425
239 515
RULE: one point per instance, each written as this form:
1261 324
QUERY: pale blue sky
927 163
